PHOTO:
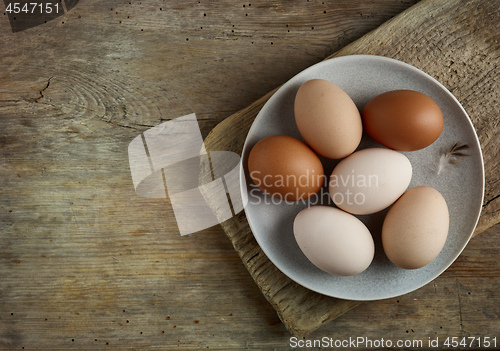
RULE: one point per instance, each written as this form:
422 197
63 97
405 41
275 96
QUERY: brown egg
285 167
327 119
404 120
415 228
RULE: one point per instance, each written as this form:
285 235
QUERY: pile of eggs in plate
415 227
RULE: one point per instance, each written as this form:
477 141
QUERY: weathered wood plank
467 63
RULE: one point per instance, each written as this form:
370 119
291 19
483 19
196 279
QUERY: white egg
369 180
333 240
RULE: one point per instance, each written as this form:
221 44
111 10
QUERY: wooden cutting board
456 42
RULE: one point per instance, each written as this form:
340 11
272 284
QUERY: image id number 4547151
33 7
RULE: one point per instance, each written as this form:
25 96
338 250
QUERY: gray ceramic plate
363 77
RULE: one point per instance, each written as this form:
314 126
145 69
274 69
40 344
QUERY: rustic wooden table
85 263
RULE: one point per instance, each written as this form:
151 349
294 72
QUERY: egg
333 240
369 180
286 168
415 228
327 119
404 120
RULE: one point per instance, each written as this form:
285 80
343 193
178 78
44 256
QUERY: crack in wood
41 91
491 200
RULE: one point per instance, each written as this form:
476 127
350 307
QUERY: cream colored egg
369 180
333 240
327 119
415 228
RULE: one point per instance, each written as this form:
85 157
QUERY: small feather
451 155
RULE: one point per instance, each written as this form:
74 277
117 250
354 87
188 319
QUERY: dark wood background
87 264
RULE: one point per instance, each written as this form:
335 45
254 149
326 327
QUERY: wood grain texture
467 63
85 263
